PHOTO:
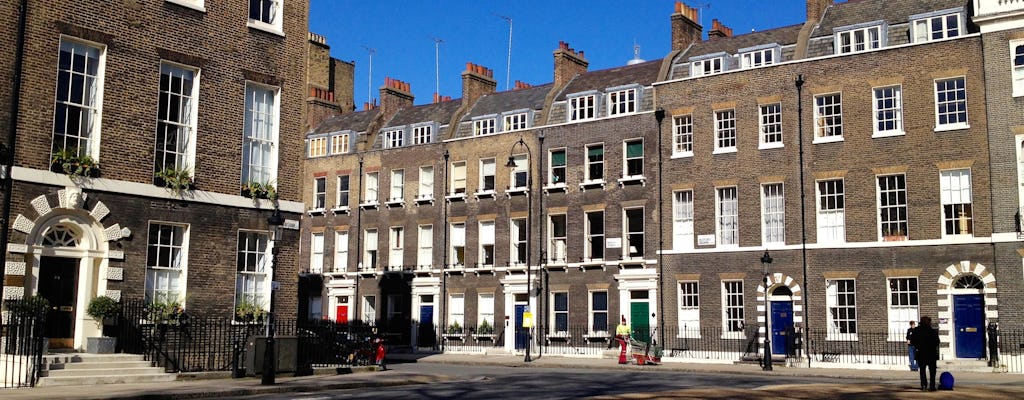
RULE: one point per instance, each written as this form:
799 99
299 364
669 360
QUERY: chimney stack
522 85
328 81
816 9
685 29
394 96
568 63
477 81
718 30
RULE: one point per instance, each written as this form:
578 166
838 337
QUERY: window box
174 180
515 191
633 180
257 190
316 211
368 205
395 203
484 194
68 162
894 238
555 187
340 210
590 184
424 199
456 197
489 337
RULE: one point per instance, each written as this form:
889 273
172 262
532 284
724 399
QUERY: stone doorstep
103 372
104 380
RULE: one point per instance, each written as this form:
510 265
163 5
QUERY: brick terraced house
815 186
149 142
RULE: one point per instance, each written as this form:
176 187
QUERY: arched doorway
779 298
969 291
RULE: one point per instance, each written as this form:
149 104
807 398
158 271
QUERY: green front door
639 320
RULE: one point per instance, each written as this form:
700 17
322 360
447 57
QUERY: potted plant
249 312
259 190
176 180
485 328
105 310
68 161
164 312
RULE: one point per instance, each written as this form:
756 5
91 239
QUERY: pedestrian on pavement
925 340
622 333
910 347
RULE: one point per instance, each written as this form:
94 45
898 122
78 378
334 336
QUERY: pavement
849 383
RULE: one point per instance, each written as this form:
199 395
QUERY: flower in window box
259 190
455 329
174 179
485 328
68 161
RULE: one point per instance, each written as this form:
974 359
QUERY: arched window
60 235
968 282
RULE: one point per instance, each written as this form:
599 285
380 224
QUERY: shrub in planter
176 180
105 309
485 328
70 162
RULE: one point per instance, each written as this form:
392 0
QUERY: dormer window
394 138
935 26
317 147
622 101
483 127
339 143
583 107
422 134
515 122
706 67
861 37
760 56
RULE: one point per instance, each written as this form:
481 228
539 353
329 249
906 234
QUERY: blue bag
946 381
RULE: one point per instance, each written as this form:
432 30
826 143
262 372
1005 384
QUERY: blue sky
402 34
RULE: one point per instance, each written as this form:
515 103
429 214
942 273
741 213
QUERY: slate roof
434 112
893 12
643 74
356 122
519 99
783 36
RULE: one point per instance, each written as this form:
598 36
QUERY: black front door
58 284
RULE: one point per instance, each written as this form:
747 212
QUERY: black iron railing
22 343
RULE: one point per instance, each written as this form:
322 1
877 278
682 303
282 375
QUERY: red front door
341 315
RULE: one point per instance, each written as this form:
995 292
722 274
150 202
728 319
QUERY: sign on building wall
613 243
705 240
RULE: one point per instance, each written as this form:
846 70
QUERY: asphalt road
492 382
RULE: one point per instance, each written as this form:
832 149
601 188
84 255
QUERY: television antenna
437 65
369 78
508 59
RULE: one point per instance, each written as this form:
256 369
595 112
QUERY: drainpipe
444 254
659 116
543 254
356 304
803 213
12 133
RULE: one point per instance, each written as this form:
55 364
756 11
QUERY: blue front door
520 331
427 315
426 333
968 325
782 325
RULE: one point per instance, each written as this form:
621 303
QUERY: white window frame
841 326
773 213
727 216
592 163
956 187
371 257
316 253
182 121
261 133
758 58
166 281
725 131
273 22
397 186
682 220
943 104
556 171
518 235
343 191
629 233
682 135
341 251
425 246
484 309
1017 66
626 159
904 301
488 168
316 147
558 230
486 235
422 134
688 300
458 242
831 210
396 248
733 299
339 144
516 121
371 192
484 126
91 105
458 178
456 312
593 314
706 67
892 226
594 240
369 309
558 311
923 28
623 101
319 193
198 5
582 108
887 111
394 138
252 283
770 126
520 161
860 39
828 117
426 182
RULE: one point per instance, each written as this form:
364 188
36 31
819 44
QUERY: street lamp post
766 363
529 225
275 221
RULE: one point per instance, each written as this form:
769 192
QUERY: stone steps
69 369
